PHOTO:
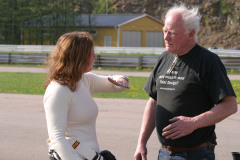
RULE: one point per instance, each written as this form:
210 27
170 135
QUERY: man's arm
148 125
182 126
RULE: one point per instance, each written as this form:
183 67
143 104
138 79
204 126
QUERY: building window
107 41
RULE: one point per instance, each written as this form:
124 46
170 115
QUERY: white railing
146 50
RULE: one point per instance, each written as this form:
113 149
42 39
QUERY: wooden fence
106 60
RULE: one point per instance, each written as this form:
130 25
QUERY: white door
154 39
107 41
131 39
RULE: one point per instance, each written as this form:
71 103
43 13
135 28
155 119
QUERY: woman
70 110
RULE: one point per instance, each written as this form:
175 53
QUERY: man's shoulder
204 52
203 55
165 55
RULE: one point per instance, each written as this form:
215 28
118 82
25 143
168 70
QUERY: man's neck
186 50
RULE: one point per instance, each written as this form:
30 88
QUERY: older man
189 93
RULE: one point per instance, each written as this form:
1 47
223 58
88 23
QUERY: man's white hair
190 16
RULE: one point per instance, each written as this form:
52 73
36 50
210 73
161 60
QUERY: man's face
176 40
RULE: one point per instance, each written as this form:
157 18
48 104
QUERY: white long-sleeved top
73 114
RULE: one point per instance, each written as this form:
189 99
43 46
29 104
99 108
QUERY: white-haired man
189 93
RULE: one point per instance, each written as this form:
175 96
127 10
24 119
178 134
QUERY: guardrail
126 61
106 60
49 48
146 50
22 58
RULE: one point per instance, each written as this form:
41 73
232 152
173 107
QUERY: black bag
107 155
53 155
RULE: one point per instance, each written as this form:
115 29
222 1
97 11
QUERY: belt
184 149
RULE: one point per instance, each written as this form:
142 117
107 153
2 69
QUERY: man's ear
191 34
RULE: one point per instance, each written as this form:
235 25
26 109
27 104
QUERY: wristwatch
126 78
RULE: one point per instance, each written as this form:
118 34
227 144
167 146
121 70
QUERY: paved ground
43 70
101 72
23 129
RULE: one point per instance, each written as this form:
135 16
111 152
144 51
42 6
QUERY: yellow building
124 30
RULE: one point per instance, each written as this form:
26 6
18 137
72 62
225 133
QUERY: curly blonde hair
70 58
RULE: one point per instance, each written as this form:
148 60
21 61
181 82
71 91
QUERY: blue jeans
198 154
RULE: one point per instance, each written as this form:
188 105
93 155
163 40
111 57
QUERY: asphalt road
23 131
97 71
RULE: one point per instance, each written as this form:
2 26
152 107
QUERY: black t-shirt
196 82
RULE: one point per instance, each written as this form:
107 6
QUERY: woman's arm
56 104
105 84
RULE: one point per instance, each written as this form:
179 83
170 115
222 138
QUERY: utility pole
106 1
12 33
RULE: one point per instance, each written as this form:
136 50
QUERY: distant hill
219 23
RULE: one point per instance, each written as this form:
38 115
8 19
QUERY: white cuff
116 77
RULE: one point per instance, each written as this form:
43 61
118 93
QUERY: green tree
38 21
8 21
102 6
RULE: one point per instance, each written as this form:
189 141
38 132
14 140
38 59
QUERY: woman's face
91 61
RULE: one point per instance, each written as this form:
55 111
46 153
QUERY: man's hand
120 82
140 153
180 126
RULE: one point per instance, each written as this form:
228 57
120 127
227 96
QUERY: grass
33 83
236 87
22 83
136 90
233 71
